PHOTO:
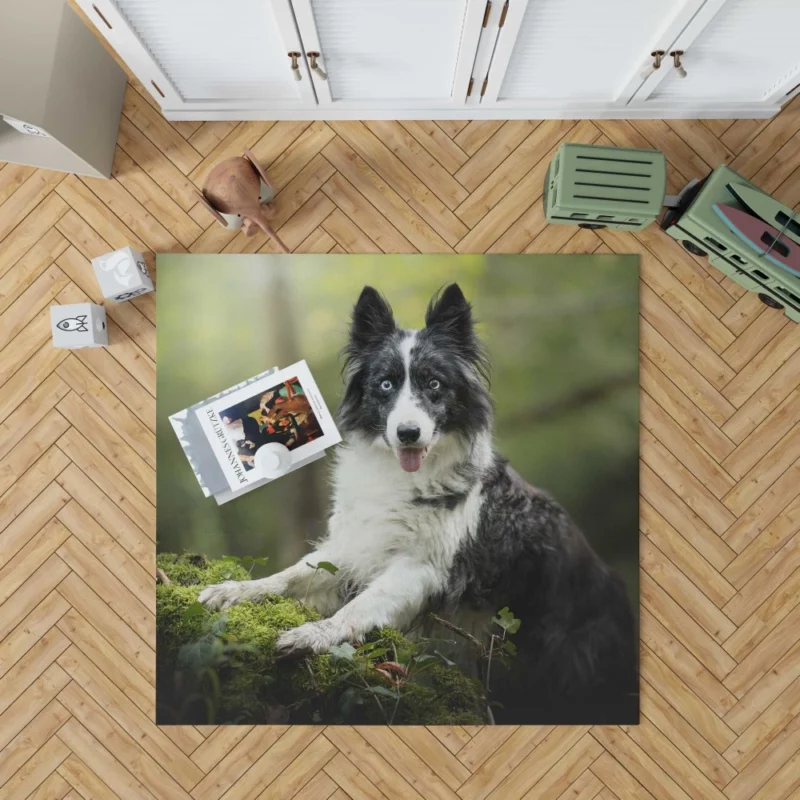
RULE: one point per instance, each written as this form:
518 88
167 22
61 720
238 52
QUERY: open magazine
222 435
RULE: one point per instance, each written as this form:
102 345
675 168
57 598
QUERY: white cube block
122 274
78 325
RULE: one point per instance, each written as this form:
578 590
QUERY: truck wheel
693 248
769 301
592 226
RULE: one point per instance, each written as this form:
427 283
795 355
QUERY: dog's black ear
372 317
450 310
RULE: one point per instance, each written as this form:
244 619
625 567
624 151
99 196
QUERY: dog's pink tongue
411 458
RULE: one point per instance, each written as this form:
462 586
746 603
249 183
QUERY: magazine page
285 408
197 447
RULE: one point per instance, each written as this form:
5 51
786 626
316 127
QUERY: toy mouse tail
269 230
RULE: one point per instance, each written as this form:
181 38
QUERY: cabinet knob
657 55
676 60
313 56
295 66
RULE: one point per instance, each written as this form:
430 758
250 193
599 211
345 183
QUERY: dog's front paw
311 637
223 595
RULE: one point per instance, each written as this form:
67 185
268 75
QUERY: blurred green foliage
562 336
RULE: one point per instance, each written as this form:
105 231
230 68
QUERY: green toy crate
696 225
605 187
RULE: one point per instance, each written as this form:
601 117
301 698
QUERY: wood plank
32 228
29 703
26 198
384 198
345 196
129 717
110 444
30 539
91 605
402 180
437 143
147 192
160 132
419 161
30 267
152 774
106 585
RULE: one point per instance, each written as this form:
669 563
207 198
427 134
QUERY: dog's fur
437 521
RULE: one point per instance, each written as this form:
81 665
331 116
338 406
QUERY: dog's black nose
408 434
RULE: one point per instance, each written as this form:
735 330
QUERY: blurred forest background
562 337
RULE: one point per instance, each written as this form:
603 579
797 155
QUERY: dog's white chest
377 518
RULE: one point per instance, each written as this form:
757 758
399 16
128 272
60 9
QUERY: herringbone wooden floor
720 504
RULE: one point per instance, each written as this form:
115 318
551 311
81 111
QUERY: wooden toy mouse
237 193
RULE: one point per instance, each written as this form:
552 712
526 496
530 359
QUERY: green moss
220 667
175 628
445 697
260 624
190 569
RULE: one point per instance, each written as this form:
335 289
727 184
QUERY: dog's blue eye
386 386
434 384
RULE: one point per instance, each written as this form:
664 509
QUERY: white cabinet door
560 54
206 53
390 53
737 51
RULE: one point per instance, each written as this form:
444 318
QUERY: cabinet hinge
487 12
469 88
483 88
503 15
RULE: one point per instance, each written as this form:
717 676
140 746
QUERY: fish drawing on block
763 238
74 324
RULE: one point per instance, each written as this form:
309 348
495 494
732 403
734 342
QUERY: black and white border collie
427 517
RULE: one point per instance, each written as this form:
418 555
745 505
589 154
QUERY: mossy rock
220 667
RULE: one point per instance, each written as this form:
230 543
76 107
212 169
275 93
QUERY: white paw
223 595
311 637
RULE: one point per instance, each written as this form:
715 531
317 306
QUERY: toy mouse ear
257 167
214 213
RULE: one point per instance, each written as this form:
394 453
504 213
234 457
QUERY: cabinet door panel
206 52
391 52
580 51
749 51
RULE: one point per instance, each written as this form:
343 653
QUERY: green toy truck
696 225
609 187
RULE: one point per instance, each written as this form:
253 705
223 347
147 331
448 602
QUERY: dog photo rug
440 458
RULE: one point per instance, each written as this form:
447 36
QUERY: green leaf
234 559
193 610
326 565
507 621
510 647
345 652
262 562
381 690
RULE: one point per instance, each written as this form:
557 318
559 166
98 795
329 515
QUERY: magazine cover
196 446
285 407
